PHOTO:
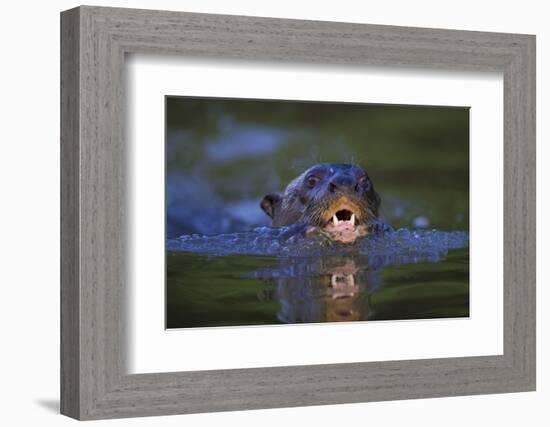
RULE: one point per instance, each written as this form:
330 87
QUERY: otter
335 289
335 200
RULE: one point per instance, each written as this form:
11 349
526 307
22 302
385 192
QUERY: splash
402 246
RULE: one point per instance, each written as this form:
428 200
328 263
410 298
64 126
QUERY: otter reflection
325 289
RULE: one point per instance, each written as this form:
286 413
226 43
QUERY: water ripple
402 246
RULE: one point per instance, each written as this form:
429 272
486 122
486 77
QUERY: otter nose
342 183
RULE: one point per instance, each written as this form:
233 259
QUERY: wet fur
300 205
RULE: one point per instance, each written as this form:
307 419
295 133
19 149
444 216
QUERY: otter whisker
339 199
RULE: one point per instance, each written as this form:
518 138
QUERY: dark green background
417 156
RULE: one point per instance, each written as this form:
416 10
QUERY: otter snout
343 183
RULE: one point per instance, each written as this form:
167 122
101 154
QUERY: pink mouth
342 221
343 226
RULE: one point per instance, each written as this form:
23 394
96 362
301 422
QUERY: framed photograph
262 213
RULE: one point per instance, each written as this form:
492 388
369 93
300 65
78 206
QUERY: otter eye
363 181
312 181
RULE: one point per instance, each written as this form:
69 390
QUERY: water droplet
420 222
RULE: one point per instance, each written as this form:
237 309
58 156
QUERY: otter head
337 200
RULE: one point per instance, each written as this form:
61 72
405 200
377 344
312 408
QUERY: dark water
226 267
271 276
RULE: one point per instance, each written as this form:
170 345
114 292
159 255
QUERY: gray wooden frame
94 41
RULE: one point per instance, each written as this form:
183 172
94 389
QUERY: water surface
271 276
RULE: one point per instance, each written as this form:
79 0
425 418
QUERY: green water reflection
218 291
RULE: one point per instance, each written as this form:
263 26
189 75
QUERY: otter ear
269 202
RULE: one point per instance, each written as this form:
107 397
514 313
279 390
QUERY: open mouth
342 220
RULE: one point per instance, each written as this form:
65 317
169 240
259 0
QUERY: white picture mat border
151 348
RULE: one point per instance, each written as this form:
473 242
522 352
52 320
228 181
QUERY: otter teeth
336 221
